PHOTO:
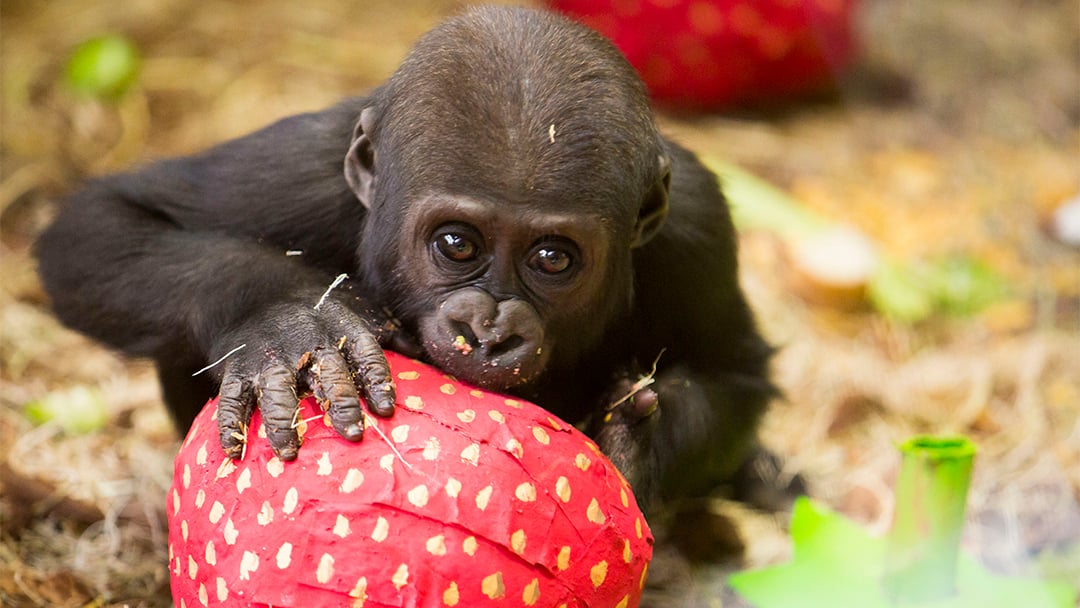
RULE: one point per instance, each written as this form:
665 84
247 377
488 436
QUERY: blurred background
912 248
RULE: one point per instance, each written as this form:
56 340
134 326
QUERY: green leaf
837 563
963 285
757 204
103 67
78 410
896 292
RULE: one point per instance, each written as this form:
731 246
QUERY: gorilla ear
360 160
654 209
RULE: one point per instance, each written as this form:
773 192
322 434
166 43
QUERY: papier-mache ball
713 54
461 498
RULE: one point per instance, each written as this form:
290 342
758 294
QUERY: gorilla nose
505 333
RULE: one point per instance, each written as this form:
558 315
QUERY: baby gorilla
503 207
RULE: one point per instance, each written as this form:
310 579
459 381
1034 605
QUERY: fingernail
386 408
286 454
354 432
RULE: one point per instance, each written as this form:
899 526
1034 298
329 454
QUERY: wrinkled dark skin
504 208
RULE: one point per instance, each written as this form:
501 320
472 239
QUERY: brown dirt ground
958 132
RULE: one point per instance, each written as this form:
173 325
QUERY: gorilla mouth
497 367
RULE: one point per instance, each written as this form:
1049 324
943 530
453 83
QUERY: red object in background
710 54
472 499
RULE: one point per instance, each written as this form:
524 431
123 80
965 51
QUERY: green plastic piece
837 563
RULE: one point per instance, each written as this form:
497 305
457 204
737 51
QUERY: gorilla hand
292 349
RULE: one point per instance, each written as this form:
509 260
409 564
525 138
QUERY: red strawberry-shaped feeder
711 54
467 498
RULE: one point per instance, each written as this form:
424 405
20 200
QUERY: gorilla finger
236 402
333 384
373 372
276 392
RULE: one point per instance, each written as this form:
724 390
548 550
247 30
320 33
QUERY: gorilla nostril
502 347
465 331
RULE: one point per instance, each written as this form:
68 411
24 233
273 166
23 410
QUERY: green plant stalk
931 496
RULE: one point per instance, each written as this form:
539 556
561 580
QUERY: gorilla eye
456 247
550 260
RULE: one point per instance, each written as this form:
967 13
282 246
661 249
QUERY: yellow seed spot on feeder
525 492
192 567
598 573
554 424
541 435
381 531
562 489
266 514
624 498
514 403
275 467
431 449
203 597
217 510
284 555
200 498
637 526
187 476
341 526
292 498
497 416
414 402
409 375
325 570
230 533
447 389
436 545
353 479
531 594
386 463
400 433
200 456
594 513
515 448
210 555
175 502
582 461
248 563
624 602
483 497
400 577
471 454
469 546
451 596
562 562
517 542
453 487
226 468
325 466
418 496
493 586
243 481
627 554
466 416
222 589
359 593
